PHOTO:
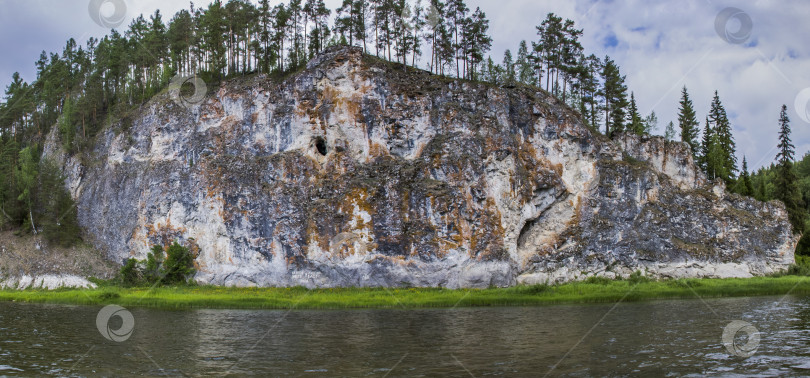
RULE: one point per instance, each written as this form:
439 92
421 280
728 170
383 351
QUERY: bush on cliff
176 268
179 265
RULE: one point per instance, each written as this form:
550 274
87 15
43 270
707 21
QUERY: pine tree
456 16
688 123
417 25
475 41
26 178
55 209
282 26
265 53
786 187
589 86
9 153
614 94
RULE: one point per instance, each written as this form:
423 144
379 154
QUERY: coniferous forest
85 87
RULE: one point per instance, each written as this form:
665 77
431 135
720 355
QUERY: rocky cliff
356 172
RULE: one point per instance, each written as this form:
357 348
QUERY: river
678 337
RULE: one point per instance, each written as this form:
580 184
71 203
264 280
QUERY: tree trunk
31 215
3 210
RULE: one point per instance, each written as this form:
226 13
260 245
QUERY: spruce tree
761 192
725 140
786 187
705 149
744 185
650 123
634 123
688 123
523 66
669 133
509 68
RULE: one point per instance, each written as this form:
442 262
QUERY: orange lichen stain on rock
357 197
308 109
163 235
558 169
377 150
213 187
314 237
212 110
491 232
330 94
357 234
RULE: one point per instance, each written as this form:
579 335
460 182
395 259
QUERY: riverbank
592 291
29 260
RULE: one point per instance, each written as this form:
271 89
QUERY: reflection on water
680 337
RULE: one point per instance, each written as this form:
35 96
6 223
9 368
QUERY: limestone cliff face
357 173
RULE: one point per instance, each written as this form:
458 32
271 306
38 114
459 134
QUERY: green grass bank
590 291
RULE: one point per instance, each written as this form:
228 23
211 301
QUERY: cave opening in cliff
320 144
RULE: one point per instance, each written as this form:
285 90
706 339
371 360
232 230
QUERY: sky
756 55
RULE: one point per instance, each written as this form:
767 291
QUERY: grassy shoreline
593 291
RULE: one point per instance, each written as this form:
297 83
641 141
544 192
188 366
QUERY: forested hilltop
86 87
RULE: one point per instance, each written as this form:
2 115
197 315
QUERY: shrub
800 268
179 265
55 209
530 289
154 263
176 268
598 280
637 277
130 274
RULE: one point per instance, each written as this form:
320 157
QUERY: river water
679 337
